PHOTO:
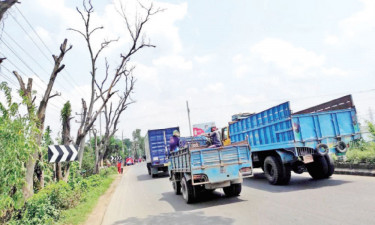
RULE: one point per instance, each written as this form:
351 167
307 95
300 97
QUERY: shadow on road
180 218
205 200
144 177
297 183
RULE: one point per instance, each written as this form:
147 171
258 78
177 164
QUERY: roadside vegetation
361 151
68 203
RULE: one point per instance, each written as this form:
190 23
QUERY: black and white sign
62 153
116 158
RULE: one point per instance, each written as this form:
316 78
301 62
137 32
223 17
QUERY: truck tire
330 165
187 190
319 168
274 170
153 175
176 186
323 147
233 190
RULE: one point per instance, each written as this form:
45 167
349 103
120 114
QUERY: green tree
138 143
17 143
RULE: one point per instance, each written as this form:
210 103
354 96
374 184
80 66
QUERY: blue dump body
157 148
276 128
218 164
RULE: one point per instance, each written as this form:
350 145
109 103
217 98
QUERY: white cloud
204 58
334 71
360 22
332 40
173 61
294 60
241 70
357 27
215 88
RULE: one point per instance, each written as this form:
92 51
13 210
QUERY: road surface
342 199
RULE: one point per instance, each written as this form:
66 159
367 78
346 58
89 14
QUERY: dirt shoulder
96 216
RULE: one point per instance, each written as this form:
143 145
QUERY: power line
40 96
19 58
44 44
23 50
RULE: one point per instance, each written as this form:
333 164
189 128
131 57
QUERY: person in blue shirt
174 141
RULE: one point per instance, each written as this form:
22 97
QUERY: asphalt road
342 199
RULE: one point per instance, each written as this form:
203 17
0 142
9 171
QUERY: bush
361 152
45 206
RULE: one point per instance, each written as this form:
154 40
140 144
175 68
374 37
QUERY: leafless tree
107 85
40 114
112 113
5 5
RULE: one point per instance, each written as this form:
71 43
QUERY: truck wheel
187 190
176 186
330 165
233 190
153 175
319 168
273 170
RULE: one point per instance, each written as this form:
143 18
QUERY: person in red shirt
119 166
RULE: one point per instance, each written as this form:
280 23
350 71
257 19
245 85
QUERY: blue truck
195 169
282 141
157 148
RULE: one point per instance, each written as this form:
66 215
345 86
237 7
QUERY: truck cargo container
199 170
282 142
157 149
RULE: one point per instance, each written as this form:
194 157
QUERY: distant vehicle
197 170
282 141
129 161
157 149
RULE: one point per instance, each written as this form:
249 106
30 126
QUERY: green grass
80 213
361 152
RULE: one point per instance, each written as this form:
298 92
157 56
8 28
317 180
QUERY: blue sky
224 57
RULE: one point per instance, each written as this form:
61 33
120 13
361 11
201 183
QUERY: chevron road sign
62 153
116 158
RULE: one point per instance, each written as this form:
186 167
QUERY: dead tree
5 5
26 92
113 113
109 83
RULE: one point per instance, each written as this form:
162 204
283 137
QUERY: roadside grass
79 214
361 152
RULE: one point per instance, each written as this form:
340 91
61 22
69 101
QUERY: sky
223 57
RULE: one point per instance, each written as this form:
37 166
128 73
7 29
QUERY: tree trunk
59 175
81 150
28 189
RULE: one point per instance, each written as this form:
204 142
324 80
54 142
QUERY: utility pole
188 111
371 115
82 144
122 142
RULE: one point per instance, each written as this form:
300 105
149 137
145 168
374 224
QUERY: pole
122 142
188 111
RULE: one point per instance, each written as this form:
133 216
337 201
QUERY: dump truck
157 149
196 169
282 141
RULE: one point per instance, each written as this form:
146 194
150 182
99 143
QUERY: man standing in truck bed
174 141
215 138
